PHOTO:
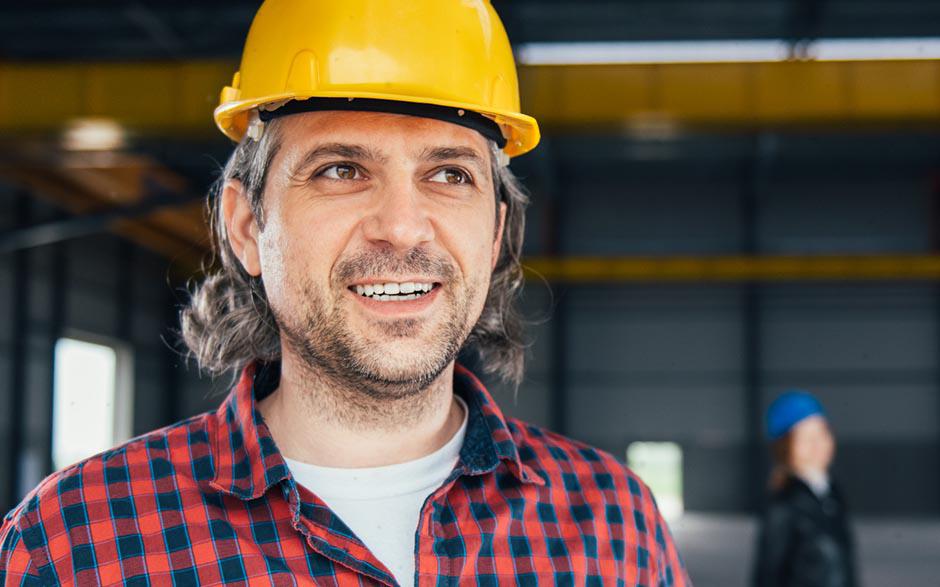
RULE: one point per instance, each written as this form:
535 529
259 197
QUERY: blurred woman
805 539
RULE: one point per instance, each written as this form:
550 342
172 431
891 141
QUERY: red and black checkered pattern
210 501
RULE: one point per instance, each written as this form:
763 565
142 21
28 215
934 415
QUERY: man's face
380 233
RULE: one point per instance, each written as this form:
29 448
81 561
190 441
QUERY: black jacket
805 541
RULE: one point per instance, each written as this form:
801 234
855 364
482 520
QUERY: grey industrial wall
99 285
647 362
618 363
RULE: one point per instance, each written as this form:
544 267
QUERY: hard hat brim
521 131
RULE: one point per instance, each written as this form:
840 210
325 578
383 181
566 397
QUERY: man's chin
396 331
388 358
396 369
402 362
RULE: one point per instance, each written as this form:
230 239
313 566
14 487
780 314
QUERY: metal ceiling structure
156 68
124 30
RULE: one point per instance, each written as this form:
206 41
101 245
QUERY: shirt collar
247 462
489 440
245 457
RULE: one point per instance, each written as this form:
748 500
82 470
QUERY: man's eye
451 175
340 172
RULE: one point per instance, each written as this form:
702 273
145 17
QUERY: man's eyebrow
451 153
340 150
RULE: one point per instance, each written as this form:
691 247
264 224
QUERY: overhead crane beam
177 98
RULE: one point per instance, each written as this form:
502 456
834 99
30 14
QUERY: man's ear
241 226
498 241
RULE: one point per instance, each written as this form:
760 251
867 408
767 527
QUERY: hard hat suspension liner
466 118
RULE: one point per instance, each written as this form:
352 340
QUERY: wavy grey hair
228 323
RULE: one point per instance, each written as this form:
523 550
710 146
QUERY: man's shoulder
102 486
576 465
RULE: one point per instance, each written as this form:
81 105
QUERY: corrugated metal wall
672 362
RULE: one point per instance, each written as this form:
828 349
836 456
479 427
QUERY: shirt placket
431 554
334 548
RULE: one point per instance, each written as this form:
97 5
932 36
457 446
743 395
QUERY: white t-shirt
818 482
382 505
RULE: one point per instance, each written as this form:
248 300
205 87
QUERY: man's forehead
376 135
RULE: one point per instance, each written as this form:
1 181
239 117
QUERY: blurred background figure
805 539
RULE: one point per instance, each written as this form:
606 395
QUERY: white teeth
396 298
386 292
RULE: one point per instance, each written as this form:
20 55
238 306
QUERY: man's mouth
394 291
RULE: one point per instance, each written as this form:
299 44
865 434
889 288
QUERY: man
368 228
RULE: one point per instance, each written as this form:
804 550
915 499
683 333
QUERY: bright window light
91 408
874 49
743 51
651 52
659 464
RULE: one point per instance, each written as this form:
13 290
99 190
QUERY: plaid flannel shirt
210 501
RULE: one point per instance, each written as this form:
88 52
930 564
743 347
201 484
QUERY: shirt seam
41 564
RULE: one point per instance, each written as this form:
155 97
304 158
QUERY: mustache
387 262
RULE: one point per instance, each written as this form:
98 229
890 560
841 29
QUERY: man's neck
315 421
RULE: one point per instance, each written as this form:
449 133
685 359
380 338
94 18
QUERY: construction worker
367 228
804 539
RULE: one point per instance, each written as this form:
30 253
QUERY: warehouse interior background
728 202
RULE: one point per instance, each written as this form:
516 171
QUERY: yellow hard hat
446 55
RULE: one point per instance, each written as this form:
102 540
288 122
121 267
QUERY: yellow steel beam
178 97
600 270
749 94
162 97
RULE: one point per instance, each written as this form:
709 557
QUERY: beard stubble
331 351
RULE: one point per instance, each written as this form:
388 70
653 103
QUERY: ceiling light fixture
93 134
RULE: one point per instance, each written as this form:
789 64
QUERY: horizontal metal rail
734 269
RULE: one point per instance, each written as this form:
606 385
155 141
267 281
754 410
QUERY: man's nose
399 218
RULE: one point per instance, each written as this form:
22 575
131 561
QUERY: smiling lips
394 292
